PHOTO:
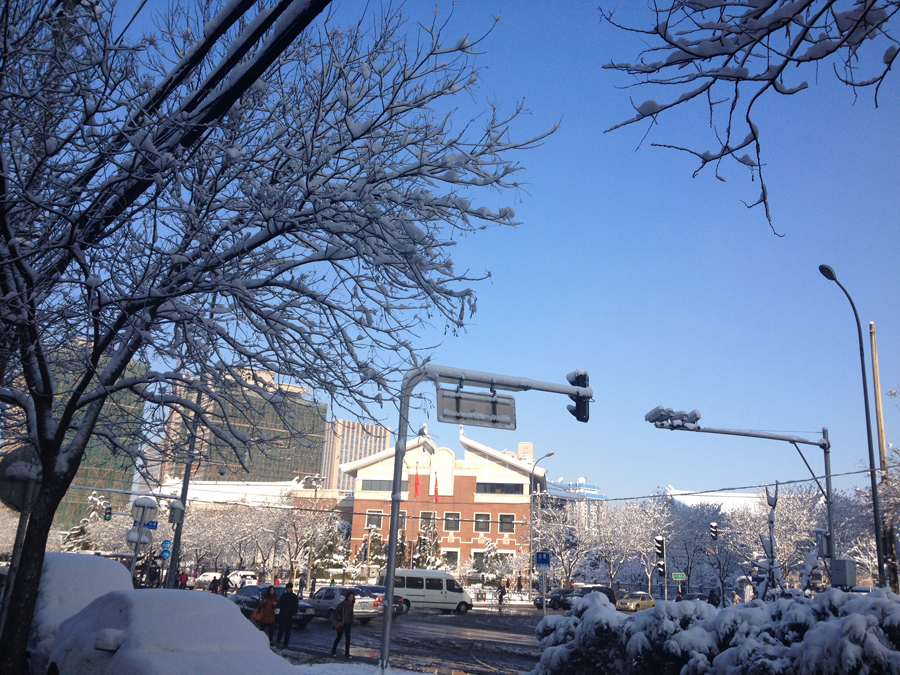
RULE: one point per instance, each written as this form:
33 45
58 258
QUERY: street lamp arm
686 426
473 378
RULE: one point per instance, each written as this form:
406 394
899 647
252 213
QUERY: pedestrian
737 599
265 612
214 585
277 580
225 585
678 597
184 578
287 606
519 584
713 598
302 585
501 595
332 582
342 624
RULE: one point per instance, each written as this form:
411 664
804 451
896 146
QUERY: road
482 642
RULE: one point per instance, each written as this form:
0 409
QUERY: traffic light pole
459 377
663 418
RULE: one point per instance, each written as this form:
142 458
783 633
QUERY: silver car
325 600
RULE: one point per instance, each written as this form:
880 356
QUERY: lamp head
828 273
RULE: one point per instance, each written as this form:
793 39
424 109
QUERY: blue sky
666 288
663 286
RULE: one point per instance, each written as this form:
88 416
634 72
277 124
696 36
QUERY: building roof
729 501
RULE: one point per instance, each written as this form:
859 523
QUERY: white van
430 589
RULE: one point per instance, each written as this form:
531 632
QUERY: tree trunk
14 641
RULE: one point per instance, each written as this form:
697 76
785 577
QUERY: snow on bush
835 632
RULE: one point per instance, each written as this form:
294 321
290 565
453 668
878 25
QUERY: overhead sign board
679 576
150 525
542 561
479 409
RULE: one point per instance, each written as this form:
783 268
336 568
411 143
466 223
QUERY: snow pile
69 583
835 632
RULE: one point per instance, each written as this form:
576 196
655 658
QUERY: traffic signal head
660 543
713 531
661 568
579 378
107 513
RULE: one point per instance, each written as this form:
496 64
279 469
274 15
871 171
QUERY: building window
451 558
382 485
482 522
451 522
478 561
507 524
499 488
373 519
401 521
425 519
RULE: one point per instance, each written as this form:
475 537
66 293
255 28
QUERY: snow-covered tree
222 200
567 537
653 518
734 56
615 541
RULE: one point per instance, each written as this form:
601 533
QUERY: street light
829 274
531 525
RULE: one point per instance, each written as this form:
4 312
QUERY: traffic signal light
579 378
107 513
713 531
660 547
661 568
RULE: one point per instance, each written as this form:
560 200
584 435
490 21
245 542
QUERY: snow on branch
733 53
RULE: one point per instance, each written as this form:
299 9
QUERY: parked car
431 589
160 632
204 580
401 605
248 597
635 601
326 599
235 578
695 596
69 583
566 600
554 598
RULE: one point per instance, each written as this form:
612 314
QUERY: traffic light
579 378
661 568
713 531
107 512
660 547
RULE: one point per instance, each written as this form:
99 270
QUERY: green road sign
679 576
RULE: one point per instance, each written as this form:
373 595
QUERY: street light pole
531 525
829 274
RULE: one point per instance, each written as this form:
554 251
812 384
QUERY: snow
342 669
69 582
164 632
835 632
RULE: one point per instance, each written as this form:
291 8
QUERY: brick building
483 495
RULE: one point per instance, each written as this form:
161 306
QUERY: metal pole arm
473 378
687 426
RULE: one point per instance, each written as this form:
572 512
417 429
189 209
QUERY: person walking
214 585
184 578
343 623
266 610
287 606
225 585
713 598
301 585
501 595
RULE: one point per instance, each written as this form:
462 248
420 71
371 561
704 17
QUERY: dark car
695 596
401 606
566 601
248 597
554 598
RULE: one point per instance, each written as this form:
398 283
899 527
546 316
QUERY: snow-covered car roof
163 632
69 583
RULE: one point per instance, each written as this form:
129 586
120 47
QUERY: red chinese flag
417 485
435 490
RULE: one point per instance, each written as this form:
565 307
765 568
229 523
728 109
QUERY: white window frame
458 520
500 523
423 521
486 522
374 512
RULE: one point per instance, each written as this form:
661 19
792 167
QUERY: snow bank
345 669
69 583
833 633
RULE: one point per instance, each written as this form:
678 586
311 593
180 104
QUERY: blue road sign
167 544
165 554
542 561
151 525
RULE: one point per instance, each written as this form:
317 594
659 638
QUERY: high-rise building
347 441
103 468
288 440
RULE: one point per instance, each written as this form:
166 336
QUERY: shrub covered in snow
835 632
